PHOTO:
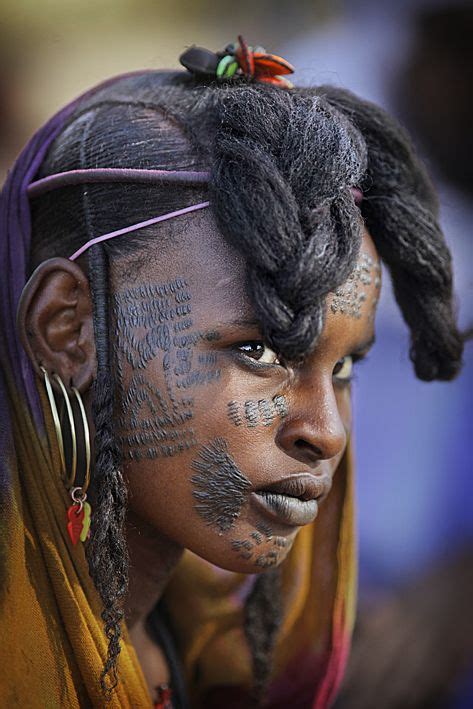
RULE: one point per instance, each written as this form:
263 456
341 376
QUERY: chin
252 554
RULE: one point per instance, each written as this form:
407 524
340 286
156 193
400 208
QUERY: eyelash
257 365
251 361
346 381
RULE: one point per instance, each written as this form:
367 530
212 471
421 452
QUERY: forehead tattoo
349 298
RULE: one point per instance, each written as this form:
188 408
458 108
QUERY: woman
203 275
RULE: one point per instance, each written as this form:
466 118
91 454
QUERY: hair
282 164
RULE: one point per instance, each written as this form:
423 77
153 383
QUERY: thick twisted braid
401 212
283 166
263 614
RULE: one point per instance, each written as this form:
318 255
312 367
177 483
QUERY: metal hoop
72 476
79 500
85 426
57 423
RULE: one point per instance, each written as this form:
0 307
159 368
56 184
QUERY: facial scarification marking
220 488
154 323
163 432
257 413
265 529
251 413
257 537
267 560
233 413
349 298
238 545
247 549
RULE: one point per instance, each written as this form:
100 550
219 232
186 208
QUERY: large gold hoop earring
85 428
72 476
56 421
79 513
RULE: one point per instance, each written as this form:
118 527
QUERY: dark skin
173 399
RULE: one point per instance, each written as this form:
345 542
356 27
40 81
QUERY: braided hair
282 164
107 552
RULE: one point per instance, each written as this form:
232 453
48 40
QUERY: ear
55 322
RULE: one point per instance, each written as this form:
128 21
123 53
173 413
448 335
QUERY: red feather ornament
75 515
253 62
79 522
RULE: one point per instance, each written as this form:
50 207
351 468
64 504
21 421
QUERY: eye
258 351
343 370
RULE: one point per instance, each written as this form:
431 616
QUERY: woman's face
228 451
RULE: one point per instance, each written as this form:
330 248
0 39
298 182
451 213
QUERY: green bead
227 67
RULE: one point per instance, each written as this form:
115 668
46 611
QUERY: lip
294 500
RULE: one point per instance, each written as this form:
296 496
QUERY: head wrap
49 608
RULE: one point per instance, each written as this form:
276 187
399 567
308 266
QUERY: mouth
293 501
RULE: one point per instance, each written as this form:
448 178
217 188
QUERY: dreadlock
401 213
263 610
107 553
282 164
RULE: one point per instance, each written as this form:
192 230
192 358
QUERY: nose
313 430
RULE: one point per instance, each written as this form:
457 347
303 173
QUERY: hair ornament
237 59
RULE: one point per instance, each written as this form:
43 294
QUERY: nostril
309 449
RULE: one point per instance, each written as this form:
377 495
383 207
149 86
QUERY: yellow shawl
53 646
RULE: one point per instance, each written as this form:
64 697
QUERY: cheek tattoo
154 324
220 488
349 298
254 413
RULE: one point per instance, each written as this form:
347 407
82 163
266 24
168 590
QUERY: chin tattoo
250 548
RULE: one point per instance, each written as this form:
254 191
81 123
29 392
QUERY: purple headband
130 175
97 175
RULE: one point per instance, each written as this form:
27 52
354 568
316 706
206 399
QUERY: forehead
191 248
351 308
215 272
358 296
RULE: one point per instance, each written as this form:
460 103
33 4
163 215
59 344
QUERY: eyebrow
239 322
364 346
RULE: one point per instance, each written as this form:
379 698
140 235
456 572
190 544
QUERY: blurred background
413 644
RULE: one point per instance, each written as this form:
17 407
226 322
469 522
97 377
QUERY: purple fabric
15 236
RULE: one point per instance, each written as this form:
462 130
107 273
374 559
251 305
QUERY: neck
153 558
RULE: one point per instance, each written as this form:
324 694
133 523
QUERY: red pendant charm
78 525
164 697
75 515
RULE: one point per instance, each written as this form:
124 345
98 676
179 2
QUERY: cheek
180 432
343 398
261 547
256 413
200 500
200 497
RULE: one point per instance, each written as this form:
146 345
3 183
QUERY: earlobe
55 322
